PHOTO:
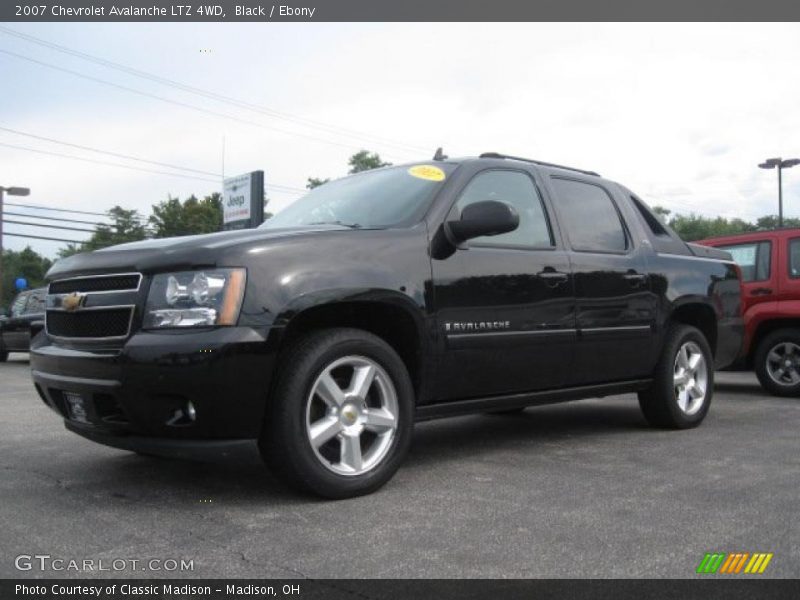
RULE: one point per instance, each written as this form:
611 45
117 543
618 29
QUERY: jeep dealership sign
243 201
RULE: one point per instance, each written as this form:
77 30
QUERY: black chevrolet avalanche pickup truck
392 296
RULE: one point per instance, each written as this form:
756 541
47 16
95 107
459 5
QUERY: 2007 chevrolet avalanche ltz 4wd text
396 295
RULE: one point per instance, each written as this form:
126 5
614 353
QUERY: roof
441 157
536 162
751 235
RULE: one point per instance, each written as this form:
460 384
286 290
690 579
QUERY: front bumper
173 448
140 389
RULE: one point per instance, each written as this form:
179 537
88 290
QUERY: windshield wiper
342 223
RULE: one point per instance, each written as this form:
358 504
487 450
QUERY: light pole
12 191
780 165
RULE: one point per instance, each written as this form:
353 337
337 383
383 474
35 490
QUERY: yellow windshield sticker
428 172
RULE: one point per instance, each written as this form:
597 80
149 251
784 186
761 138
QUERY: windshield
389 197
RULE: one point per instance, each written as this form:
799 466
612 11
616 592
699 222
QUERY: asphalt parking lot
581 489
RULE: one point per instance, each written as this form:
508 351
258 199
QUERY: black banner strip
401 10
707 588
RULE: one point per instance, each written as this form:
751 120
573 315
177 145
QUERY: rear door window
590 216
794 258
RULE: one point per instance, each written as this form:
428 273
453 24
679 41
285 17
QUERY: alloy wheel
351 415
783 363
691 378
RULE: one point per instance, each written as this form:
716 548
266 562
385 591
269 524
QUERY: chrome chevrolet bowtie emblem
350 415
72 301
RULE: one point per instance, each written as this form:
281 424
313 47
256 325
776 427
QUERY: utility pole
12 191
780 197
780 165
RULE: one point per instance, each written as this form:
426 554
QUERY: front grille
94 307
100 283
107 323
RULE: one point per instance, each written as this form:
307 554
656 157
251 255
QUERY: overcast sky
680 113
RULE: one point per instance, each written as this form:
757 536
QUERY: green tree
69 250
695 227
771 222
26 263
364 160
126 226
172 217
315 182
662 213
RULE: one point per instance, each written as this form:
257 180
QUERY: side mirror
489 217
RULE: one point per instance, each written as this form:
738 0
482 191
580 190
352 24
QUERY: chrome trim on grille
104 276
84 309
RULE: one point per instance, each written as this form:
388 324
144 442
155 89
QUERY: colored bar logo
734 563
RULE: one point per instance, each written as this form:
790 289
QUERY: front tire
3 356
341 414
777 362
683 385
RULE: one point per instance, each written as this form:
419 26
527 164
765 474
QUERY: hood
187 252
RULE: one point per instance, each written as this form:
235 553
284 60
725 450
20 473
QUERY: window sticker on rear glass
428 172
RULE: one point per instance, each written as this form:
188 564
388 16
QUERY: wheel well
764 329
702 317
391 323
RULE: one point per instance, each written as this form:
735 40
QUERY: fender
694 299
340 296
757 314
358 307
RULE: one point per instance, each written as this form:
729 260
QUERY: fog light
183 317
183 416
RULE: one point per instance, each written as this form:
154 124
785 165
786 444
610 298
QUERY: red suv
770 264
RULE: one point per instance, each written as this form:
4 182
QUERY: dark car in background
24 320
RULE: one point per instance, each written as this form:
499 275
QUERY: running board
499 403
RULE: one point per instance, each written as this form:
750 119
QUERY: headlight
195 298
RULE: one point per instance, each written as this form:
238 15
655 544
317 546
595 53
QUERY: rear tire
341 414
3 356
683 384
777 362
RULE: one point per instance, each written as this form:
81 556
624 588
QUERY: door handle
552 277
762 291
634 278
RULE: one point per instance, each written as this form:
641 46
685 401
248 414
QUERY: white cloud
681 113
